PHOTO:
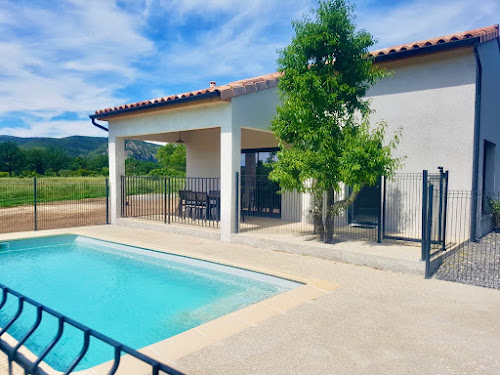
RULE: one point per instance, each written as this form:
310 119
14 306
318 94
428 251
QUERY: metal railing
266 209
33 367
50 203
182 200
472 247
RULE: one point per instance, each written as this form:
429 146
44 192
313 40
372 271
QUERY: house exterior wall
489 56
432 98
203 153
255 110
183 118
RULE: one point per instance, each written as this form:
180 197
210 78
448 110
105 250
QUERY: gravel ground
474 263
63 214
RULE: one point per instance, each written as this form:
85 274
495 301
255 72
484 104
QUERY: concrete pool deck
376 322
399 256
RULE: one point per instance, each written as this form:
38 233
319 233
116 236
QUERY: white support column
116 149
230 160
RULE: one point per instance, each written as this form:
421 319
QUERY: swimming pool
136 296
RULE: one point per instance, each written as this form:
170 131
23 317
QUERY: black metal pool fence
16 352
172 200
461 243
48 203
391 209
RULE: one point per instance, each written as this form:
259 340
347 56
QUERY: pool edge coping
171 349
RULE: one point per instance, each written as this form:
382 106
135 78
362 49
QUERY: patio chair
213 211
201 198
187 201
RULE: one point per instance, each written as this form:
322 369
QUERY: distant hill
81 146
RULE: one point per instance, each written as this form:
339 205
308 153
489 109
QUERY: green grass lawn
20 191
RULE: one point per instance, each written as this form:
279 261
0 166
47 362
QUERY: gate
405 198
435 206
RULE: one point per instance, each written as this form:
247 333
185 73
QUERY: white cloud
242 46
56 129
77 55
57 63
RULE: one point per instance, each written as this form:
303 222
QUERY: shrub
4 174
495 211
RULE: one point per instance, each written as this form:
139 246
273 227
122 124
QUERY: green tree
322 125
57 159
97 162
80 162
11 157
172 160
37 160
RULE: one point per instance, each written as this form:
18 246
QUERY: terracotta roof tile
484 34
249 85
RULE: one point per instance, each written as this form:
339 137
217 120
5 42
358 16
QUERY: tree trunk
333 208
329 216
319 229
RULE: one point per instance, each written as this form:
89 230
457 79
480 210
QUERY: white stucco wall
174 119
255 110
203 153
432 98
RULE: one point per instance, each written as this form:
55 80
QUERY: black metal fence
472 243
50 203
391 209
32 364
181 200
264 208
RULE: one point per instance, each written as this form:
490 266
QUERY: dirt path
63 214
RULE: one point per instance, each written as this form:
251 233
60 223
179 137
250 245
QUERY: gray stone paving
474 263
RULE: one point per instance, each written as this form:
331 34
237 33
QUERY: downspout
477 134
97 125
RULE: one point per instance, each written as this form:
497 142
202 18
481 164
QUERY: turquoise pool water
133 295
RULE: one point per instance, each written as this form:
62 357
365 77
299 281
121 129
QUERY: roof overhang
157 104
427 49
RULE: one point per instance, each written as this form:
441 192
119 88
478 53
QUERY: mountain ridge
78 145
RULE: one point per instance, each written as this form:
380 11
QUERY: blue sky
62 60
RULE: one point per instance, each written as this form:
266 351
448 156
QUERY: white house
443 91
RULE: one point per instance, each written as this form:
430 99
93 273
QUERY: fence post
34 201
424 211
107 201
123 196
165 203
445 208
440 213
379 216
384 203
237 203
428 232
169 198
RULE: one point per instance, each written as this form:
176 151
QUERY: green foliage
11 158
495 211
48 161
322 125
172 156
135 167
4 174
264 168
36 160
172 160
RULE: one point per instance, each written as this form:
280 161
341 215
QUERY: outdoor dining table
198 201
